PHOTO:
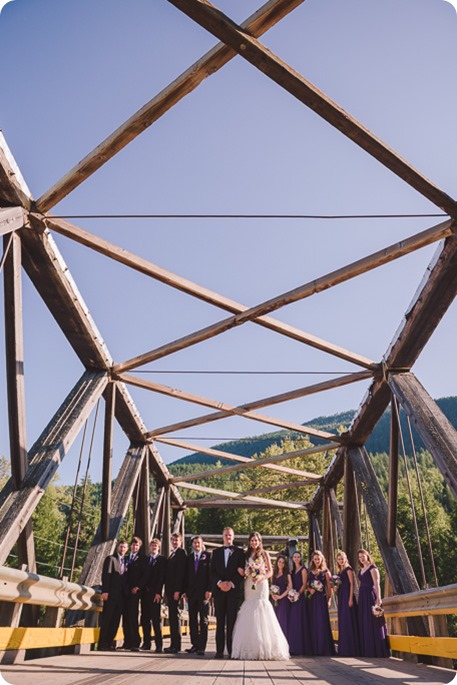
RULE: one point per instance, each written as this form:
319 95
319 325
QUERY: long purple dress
321 631
283 608
348 628
296 617
372 629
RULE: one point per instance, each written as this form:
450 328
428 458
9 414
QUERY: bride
257 633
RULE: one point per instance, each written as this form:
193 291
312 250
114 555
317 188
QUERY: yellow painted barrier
432 646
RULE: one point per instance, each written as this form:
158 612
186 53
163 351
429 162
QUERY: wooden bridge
28 226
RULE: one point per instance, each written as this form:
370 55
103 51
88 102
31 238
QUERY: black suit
198 583
114 583
175 578
150 610
137 572
226 604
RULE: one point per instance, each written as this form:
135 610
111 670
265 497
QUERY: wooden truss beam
437 432
275 399
143 266
269 488
12 219
124 485
220 454
277 458
236 504
239 496
15 382
110 404
215 404
17 506
13 188
259 22
217 23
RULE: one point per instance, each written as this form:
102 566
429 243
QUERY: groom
227 582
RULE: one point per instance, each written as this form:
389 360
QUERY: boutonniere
203 556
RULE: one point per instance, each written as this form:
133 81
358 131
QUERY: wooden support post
155 514
10 616
393 473
143 522
110 398
336 519
17 506
14 349
352 531
437 432
122 495
327 542
396 561
166 543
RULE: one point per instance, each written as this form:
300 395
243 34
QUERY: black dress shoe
219 656
191 650
201 652
170 650
145 647
158 650
135 649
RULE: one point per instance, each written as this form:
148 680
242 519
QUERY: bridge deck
127 668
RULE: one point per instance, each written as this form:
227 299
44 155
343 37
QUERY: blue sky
74 71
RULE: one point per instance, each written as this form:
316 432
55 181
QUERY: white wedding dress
257 633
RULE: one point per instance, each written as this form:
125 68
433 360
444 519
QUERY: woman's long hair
345 560
285 570
323 564
259 552
364 551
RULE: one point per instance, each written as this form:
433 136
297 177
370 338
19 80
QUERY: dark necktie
196 563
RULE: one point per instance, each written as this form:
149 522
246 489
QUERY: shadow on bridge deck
147 668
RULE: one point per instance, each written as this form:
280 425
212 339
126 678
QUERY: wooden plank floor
147 668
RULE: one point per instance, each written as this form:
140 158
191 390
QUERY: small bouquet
377 611
317 585
253 570
335 581
275 590
293 596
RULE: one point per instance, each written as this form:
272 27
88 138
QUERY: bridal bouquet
335 581
377 611
253 570
293 596
275 590
317 585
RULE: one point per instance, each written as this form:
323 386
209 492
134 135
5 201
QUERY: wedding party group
263 611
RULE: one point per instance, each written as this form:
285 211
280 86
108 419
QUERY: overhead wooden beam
436 431
240 496
252 50
284 397
392 495
17 506
12 219
183 284
235 504
15 383
270 488
122 494
277 458
226 409
220 454
352 539
259 22
13 188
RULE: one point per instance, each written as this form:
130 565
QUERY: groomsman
136 578
113 595
151 597
227 581
174 587
198 592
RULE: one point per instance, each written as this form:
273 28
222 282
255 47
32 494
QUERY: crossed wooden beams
43 263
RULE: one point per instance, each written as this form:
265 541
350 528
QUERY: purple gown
372 630
283 608
321 631
299 634
348 629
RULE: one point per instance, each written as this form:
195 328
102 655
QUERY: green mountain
376 444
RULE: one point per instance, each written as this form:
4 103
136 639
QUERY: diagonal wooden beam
236 495
275 399
269 488
17 506
217 23
13 188
257 314
215 404
234 504
220 454
259 22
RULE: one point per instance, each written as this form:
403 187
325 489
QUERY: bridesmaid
348 629
281 578
298 630
319 602
373 630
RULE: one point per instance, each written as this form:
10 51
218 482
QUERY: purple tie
195 563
